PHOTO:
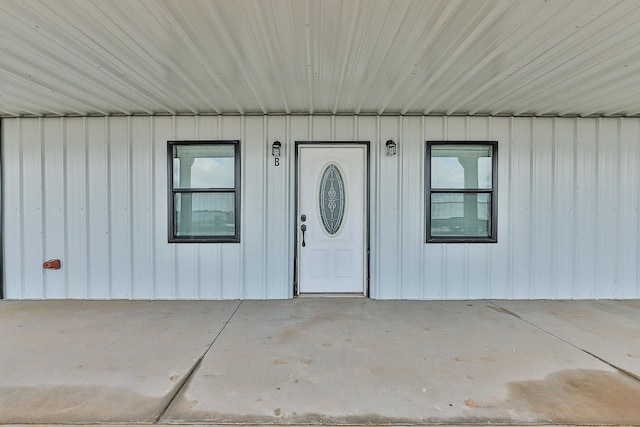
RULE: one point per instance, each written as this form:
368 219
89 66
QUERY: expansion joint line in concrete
185 380
618 368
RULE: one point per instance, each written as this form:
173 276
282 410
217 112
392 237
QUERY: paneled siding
93 192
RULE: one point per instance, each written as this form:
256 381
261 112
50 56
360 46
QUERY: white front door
332 218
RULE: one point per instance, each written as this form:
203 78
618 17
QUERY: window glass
461 194
204 191
205 214
204 166
484 172
460 214
462 166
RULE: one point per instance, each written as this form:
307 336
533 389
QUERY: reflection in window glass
463 166
203 166
460 214
446 172
484 172
205 214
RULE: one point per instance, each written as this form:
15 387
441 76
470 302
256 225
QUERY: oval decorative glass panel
332 199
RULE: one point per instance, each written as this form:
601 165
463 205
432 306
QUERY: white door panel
332 200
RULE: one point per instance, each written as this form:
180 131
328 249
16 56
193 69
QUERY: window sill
183 239
461 240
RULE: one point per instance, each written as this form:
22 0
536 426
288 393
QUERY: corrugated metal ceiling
523 57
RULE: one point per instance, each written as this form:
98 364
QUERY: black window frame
173 238
493 192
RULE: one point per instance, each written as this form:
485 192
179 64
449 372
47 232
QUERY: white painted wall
93 192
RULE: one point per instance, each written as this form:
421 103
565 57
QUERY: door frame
2 284
367 207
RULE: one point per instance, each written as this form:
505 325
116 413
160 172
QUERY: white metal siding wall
92 191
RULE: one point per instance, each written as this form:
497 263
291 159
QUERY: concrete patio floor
320 361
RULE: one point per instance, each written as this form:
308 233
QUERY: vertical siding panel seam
87 192
107 142
510 214
285 269
153 213
22 207
381 154
555 213
43 207
574 231
617 289
399 204
243 204
289 249
378 261
422 203
596 291
85 173
65 213
265 207
375 286
574 213
130 184
618 240
379 150
532 289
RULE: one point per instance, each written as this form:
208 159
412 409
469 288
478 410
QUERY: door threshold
332 295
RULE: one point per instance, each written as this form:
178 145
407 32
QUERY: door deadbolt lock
303 218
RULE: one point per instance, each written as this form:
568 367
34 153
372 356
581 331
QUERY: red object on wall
52 264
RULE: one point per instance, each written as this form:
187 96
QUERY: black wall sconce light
275 149
391 148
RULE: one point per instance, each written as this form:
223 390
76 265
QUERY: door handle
303 228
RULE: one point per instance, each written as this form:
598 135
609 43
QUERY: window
204 191
461 192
